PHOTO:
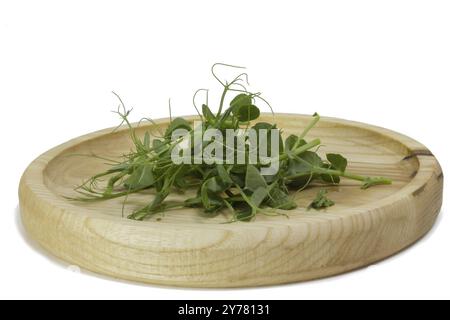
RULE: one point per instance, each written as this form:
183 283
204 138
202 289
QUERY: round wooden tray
187 249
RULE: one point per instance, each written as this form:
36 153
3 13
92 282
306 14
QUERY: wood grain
187 249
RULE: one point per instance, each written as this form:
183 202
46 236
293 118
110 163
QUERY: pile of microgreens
238 188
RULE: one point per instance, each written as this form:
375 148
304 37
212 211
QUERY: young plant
238 188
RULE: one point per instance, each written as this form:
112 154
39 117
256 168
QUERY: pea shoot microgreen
240 189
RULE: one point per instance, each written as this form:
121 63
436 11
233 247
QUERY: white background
382 62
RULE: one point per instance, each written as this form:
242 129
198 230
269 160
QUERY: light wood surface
187 249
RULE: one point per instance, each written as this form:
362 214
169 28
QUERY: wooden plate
187 249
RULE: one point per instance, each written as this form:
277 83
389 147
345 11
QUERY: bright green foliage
321 201
237 188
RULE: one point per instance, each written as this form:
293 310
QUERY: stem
147 211
348 175
368 181
255 209
300 150
307 129
222 100
113 180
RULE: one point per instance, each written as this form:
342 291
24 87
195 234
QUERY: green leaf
264 126
147 140
302 167
223 174
216 185
157 145
207 113
209 195
311 158
254 179
180 180
177 123
272 178
259 196
304 163
247 113
226 119
338 162
245 214
216 203
280 200
239 169
141 177
268 127
238 179
212 188
321 201
291 141
193 202
239 101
